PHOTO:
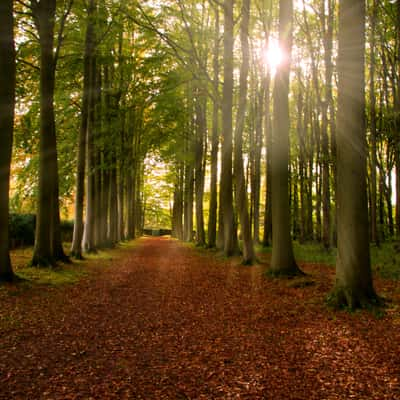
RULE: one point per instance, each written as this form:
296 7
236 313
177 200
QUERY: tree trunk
113 202
226 195
267 236
353 268
7 104
282 260
373 161
201 127
48 247
188 193
89 230
241 192
212 218
76 249
397 120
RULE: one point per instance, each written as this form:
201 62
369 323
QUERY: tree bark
48 249
353 268
267 236
76 248
373 161
212 218
226 195
282 260
201 128
89 231
7 105
241 192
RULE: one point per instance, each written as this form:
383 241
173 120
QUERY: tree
48 248
7 103
212 219
240 185
282 261
354 286
76 249
226 195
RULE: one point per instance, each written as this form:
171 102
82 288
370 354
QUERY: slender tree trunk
7 104
267 236
212 219
89 230
241 192
177 211
372 97
353 268
188 193
113 202
76 249
282 260
226 195
200 107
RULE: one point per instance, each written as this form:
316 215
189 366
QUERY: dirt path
165 322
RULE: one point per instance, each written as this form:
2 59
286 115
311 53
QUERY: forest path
164 321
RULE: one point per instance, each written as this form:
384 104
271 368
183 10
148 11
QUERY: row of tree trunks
106 132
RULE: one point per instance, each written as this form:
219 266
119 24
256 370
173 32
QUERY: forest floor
163 320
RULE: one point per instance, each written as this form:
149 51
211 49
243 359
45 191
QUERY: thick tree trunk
282 260
353 269
48 247
240 184
7 104
396 88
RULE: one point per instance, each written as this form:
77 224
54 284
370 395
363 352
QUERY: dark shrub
22 230
67 230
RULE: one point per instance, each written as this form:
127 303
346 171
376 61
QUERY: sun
273 56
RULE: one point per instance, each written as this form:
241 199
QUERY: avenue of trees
276 120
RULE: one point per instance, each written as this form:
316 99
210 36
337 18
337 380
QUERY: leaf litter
163 322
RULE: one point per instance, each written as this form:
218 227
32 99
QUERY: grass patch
308 252
385 259
52 276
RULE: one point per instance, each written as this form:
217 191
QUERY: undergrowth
385 259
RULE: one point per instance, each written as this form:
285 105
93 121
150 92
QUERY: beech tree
76 249
7 104
240 186
226 195
353 267
282 261
48 247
